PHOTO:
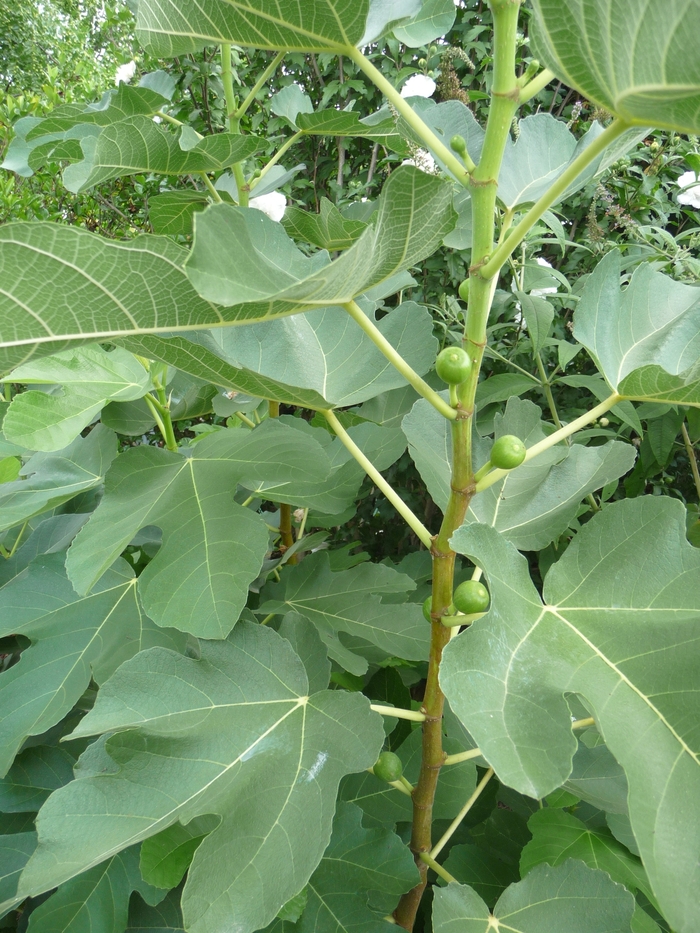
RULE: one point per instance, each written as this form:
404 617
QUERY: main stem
232 119
483 184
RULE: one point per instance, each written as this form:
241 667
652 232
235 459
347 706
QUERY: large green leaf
85 379
570 898
532 505
50 479
350 601
435 18
267 276
356 862
174 27
646 339
92 289
637 59
233 733
558 836
212 548
138 145
620 625
73 639
95 900
382 445
320 359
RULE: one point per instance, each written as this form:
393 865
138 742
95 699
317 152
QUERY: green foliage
243 521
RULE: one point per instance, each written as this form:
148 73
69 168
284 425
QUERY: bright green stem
409 517
276 157
495 475
437 868
161 416
463 756
271 68
453 163
518 234
210 187
454 825
232 119
395 358
483 183
398 713
538 83
547 389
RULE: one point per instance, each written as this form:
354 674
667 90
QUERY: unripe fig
458 144
464 290
453 365
508 452
427 606
388 767
471 596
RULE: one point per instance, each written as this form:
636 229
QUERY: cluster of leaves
156 730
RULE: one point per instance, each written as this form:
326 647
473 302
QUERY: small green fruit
388 767
453 365
464 290
458 144
471 596
508 452
427 606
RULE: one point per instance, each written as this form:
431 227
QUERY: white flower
691 195
418 86
422 160
543 291
125 73
272 204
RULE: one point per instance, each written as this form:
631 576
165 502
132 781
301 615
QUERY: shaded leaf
172 214
73 639
436 17
34 774
15 850
50 479
166 856
165 917
327 229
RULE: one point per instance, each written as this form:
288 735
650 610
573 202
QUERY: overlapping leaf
382 445
532 505
435 18
95 900
321 359
85 379
620 625
73 639
234 734
350 602
212 548
35 772
637 59
646 339
139 145
38 139
356 862
570 898
172 28
50 479
172 214
15 850
267 276
327 229
63 285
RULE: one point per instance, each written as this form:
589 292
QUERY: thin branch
398 713
454 825
267 73
395 358
462 756
437 868
691 456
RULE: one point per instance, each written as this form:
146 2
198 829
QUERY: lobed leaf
233 733
619 625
